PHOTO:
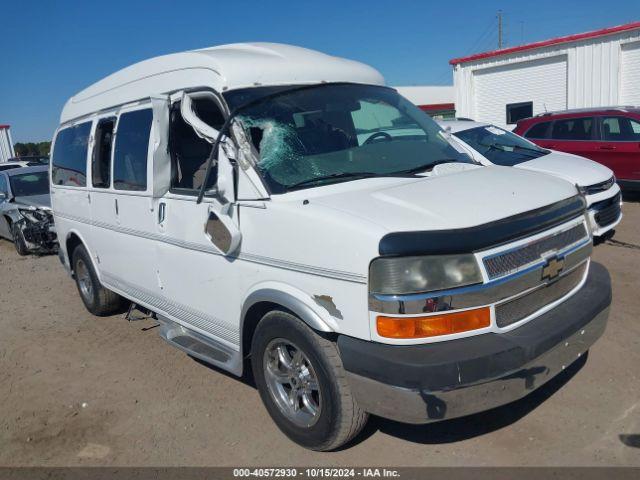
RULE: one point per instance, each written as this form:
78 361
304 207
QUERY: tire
338 417
97 299
18 240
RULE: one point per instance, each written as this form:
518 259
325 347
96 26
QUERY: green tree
30 148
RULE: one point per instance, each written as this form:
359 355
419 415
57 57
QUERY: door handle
162 212
116 205
607 147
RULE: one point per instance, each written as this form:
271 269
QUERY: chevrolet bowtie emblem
553 268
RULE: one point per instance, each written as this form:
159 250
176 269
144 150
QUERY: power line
482 38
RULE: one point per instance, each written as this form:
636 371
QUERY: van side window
539 130
131 149
189 152
573 129
69 162
101 164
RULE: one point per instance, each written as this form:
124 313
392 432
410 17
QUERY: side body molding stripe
246 257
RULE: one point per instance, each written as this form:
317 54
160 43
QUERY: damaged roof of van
225 67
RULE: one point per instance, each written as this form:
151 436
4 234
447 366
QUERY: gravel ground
80 390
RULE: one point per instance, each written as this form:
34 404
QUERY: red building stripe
547 43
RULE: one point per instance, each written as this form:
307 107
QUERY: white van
273 203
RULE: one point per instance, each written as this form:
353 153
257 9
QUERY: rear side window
101 165
539 130
130 154
69 164
573 129
620 129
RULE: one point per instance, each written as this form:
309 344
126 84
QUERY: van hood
446 201
574 169
40 201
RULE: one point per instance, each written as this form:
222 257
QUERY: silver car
25 210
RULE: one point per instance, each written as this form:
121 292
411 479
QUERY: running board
201 347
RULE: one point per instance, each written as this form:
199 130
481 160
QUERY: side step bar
200 347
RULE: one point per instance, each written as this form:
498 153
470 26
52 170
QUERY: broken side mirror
222 229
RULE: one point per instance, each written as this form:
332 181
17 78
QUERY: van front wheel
302 383
98 300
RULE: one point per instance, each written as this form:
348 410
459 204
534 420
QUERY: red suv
608 135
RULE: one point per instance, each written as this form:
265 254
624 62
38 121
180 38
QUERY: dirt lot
78 390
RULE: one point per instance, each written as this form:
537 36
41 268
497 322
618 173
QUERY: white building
435 100
6 144
593 69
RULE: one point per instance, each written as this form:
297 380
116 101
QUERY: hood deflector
466 240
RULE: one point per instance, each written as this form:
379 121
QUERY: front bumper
438 381
40 237
605 215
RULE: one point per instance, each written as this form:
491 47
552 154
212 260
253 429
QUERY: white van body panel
419 204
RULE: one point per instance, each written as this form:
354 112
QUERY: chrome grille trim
474 295
508 262
527 304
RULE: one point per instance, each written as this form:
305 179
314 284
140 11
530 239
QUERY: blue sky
53 49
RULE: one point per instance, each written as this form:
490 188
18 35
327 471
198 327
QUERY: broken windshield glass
336 130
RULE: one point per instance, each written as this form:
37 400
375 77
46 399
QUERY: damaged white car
275 204
25 210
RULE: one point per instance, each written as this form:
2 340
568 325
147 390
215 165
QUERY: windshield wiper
332 176
501 147
529 149
426 166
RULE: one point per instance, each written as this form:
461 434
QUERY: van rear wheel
97 299
302 383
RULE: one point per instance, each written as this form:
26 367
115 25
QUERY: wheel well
251 320
72 243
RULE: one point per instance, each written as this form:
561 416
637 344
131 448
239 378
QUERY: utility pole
499 29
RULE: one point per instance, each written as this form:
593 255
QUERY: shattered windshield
500 146
338 132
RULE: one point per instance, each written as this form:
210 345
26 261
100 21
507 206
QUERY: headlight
404 275
34 216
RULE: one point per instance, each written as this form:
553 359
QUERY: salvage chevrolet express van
275 204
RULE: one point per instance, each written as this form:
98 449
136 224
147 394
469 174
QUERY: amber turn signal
433 325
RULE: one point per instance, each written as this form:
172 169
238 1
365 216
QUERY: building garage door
630 82
541 82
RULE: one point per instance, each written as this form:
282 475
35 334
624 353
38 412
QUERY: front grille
598 187
515 310
509 262
608 211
